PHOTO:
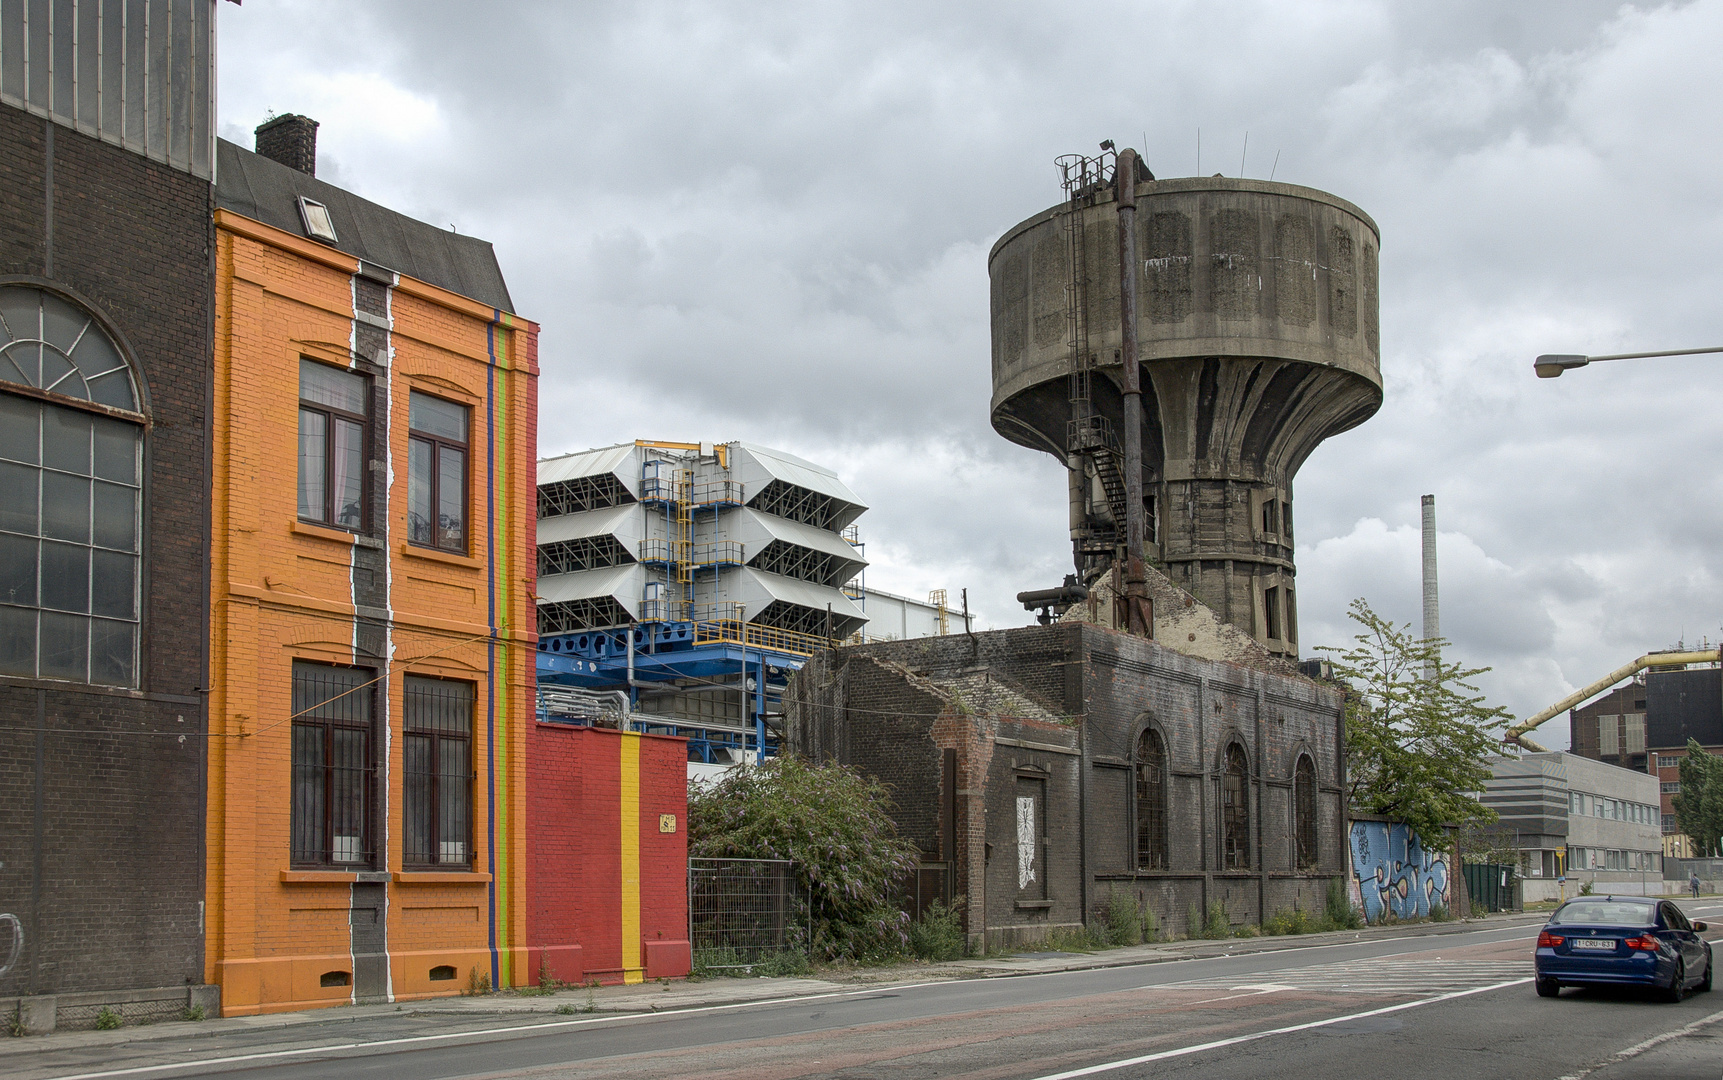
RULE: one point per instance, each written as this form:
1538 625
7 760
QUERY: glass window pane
115 523
18 497
66 440
117 451
325 385
347 795
65 646
454 792
66 507
309 778
313 461
419 786
111 652
20 312
60 377
61 322
113 584
451 498
419 510
17 641
19 426
115 388
434 416
22 364
65 577
17 570
349 473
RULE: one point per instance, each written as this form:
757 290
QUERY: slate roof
268 191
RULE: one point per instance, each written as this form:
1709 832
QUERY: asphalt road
1457 1005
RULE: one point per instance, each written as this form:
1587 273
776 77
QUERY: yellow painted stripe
632 969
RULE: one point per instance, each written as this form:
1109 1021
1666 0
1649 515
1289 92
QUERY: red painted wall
574 854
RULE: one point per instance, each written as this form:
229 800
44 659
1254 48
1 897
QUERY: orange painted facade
281 935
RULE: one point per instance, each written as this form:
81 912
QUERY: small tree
834 824
1415 744
1699 807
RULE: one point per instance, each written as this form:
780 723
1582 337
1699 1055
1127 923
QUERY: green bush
1124 921
107 1019
1338 912
937 935
1075 939
1213 924
1290 921
833 823
1440 913
1151 925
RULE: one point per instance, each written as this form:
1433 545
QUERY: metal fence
744 911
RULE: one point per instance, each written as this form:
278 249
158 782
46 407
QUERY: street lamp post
1551 365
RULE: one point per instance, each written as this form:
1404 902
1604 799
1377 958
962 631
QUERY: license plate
1594 943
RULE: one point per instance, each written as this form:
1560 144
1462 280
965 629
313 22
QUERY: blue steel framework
632 658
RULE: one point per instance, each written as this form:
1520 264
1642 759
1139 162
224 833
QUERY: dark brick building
1042 768
105 323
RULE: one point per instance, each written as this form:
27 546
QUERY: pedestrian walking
1693 882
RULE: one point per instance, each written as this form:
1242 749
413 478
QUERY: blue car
1622 941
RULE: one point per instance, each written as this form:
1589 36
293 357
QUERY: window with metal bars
1151 801
1304 812
438 725
1235 811
333 770
333 434
436 472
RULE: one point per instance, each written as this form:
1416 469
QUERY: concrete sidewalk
510 1008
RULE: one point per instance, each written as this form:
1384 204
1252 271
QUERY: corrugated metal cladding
1682 705
137 73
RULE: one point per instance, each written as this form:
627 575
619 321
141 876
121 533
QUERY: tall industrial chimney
1432 619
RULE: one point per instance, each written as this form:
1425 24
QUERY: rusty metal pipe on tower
1139 619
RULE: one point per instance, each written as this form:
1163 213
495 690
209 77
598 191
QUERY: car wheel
1705 983
1548 988
1677 983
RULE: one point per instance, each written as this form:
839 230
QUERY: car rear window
1604 913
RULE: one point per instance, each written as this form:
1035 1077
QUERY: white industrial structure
683 532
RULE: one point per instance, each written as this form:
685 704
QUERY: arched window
70 495
1151 802
1304 811
1235 811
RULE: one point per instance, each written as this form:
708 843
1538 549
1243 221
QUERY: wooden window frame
437 444
330 414
325 728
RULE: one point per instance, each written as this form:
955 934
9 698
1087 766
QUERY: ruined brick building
1041 768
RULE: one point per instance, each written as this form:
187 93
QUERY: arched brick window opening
1235 811
1304 812
71 488
1151 801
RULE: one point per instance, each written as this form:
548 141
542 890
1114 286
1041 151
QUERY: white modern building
650 532
1583 820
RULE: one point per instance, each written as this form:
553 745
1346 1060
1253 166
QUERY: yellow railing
760 637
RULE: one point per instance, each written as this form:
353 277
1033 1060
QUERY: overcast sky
771 222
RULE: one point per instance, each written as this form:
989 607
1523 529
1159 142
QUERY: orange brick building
371 591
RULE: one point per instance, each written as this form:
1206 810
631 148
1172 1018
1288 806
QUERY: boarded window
1151 767
1235 811
1304 812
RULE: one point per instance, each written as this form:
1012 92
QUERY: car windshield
1603 913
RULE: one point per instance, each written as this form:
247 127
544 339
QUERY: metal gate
1492 886
743 911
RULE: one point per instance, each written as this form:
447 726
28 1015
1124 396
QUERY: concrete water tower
1254 309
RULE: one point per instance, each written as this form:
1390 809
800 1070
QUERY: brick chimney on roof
290 139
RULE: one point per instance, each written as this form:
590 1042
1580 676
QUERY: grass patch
1124 921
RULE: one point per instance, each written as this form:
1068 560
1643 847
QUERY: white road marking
1635 1051
1218 1044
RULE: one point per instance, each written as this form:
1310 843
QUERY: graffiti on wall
1393 874
12 934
